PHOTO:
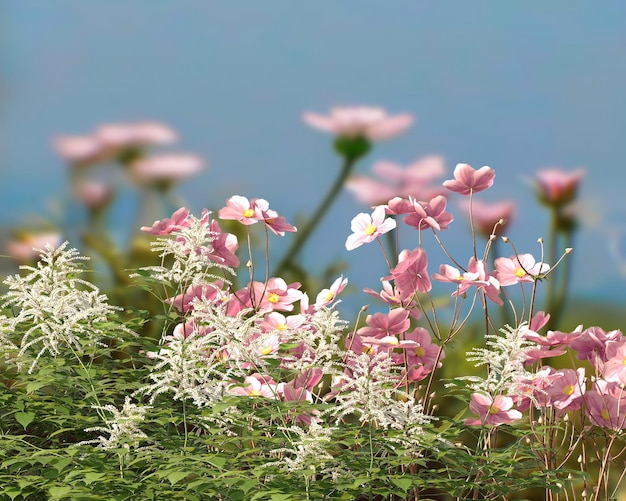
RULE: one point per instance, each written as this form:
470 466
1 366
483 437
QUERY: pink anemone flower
492 411
468 180
367 228
362 121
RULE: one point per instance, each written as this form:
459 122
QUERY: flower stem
302 236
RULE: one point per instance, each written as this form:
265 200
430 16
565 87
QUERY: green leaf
92 477
24 418
402 482
177 476
59 491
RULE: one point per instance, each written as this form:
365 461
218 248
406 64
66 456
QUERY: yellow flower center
281 327
266 350
273 297
248 213
419 351
254 393
329 296
519 272
568 390
605 414
493 410
370 229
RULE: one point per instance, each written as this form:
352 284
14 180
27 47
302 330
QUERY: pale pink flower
421 353
135 135
414 180
430 214
166 167
206 292
223 247
614 369
492 411
243 210
386 324
371 123
80 150
25 247
366 228
327 296
277 224
397 206
519 268
605 409
276 294
591 345
468 180
254 386
410 275
487 216
566 390
476 275
275 321
93 194
557 187
169 225
389 294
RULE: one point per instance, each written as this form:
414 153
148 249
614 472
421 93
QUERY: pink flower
566 390
80 151
557 187
135 135
386 324
411 273
423 353
614 369
492 411
468 180
169 225
277 224
275 321
486 216
166 167
224 247
327 296
476 275
394 180
25 247
605 409
367 228
430 215
276 294
243 210
254 386
93 194
371 123
517 269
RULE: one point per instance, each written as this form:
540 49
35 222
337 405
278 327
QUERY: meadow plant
251 390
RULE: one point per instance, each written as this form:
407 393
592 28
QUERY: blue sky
518 86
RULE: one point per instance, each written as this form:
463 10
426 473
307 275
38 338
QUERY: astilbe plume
56 307
505 355
123 428
308 451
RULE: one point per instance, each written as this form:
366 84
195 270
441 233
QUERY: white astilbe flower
504 355
189 367
308 451
320 336
189 249
54 308
122 428
366 388
408 417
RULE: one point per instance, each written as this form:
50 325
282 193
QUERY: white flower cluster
54 308
504 356
122 428
308 451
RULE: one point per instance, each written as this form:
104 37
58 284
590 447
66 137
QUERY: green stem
303 235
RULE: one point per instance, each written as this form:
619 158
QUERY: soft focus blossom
371 123
166 167
557 187
366 228
93 194
414 180
25 247
79 150
469 180
487 216
135 135
327 296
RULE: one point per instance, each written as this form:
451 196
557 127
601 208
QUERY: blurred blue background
518 86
